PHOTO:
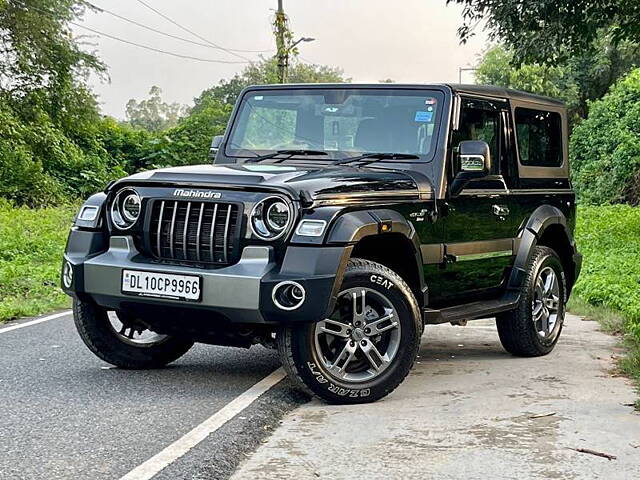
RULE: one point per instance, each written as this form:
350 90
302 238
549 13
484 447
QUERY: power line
153 49
231 52
142 25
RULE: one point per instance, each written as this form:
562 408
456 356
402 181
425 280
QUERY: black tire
517 330
97 333
300 360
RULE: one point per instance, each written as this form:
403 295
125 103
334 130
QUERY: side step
469 311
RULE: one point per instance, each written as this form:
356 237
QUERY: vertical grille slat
173 227
212 234
185 247
194 231
198 231
159 230
226 232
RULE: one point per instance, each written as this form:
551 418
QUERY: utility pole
283 35
284 42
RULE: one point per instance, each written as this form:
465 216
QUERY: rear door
478 228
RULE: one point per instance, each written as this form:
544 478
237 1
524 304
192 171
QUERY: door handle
500 210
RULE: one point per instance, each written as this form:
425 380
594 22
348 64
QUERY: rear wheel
122 341
366 347
533 328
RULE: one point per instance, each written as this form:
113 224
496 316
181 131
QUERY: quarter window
539 136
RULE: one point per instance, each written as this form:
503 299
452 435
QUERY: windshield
339 121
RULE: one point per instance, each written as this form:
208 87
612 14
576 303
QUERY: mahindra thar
333 224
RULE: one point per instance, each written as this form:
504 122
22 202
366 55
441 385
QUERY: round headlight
271 218
126 208
278 216
131 207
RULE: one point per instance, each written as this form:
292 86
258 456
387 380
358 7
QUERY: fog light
311 228
288 295
67 274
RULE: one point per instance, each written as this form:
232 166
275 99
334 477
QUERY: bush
605 148
608 238
31 246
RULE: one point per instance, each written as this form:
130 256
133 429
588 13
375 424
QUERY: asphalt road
66 414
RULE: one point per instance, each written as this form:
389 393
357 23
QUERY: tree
153 114
577 81
265 72
605 148
550 30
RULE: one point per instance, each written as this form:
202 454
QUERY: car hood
317 183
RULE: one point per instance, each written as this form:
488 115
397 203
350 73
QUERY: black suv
335 222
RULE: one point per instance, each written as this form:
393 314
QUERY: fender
352 227
95 200
529 236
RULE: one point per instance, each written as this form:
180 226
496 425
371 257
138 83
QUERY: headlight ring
271 217
126 208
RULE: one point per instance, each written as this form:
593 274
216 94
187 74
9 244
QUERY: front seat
373 135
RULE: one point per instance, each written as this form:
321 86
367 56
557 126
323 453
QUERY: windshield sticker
422 116
258 97
430 101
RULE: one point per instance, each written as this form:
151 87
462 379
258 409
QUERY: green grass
31 247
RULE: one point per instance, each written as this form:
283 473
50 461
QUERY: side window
480 120
539 137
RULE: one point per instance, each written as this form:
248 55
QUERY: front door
478 233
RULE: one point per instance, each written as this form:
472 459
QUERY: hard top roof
481 90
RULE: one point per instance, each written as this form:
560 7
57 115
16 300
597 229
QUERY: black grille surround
202 232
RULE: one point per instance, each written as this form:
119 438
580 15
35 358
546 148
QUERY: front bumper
240 293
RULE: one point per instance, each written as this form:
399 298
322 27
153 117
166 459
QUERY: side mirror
475 162
215 146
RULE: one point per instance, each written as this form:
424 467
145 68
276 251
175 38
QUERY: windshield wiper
290 153
373 157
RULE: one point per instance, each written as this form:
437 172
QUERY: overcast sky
371 40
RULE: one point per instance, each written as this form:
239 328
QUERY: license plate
161 285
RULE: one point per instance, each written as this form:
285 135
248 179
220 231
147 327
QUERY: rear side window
539 136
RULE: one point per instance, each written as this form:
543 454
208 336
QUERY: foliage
153 114
608 238
188 142
31 242
577 81
264 72
605 148
550 30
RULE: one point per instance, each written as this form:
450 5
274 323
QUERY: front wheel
366 347
124 342
533 328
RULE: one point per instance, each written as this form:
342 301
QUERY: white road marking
35 322
181 446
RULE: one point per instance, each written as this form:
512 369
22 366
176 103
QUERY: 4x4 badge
180 192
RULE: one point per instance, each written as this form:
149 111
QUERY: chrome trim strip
483 256
158 240
481 247
198 231
185 231
226 233
173 227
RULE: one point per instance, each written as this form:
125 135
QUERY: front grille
203 232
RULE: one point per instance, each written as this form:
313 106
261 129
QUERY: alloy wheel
361 338
546 304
